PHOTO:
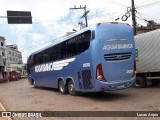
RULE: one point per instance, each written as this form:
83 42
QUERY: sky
53 18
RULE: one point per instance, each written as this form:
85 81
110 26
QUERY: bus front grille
117 56
86 78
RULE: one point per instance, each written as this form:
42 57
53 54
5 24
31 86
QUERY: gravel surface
19 96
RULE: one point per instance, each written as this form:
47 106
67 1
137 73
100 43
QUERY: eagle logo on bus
53 66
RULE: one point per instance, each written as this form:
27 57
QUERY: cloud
20 29
37 36
53 18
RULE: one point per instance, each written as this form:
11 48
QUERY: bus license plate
120 86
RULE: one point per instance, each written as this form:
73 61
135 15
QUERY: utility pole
85 13
133 18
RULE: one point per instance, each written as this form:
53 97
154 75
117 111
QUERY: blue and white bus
97 58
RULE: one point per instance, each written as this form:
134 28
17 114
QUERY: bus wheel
140 82
62 87
34 84
155 82
71 88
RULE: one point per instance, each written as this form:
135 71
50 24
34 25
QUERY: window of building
19 55
10 52
2 44
3 54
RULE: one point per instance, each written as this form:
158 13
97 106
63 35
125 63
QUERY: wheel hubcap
138 82
71 88
61 86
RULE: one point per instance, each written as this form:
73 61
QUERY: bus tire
140 82
155 82
71 88
34 83
62 87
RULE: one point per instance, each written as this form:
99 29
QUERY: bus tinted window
54 53
76 45
82 42
31 62
66 49
39 58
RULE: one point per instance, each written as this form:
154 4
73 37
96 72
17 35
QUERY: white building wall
13 55
9 55
2 57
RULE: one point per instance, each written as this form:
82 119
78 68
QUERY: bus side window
39 58
45 58
54 53
28 65
84 42
71 48
64 49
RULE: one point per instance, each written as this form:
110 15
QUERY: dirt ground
20 96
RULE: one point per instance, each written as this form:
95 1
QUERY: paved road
20 96
3 110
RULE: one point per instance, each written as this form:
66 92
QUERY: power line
44 21
79 11
51 20
148 17
85 12
117 3
35 46
149 5
140 18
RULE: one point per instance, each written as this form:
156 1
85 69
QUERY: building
14 61
13 55
3 72
10 60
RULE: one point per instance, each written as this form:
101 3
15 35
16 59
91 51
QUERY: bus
98 58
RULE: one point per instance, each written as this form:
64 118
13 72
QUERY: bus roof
64 38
